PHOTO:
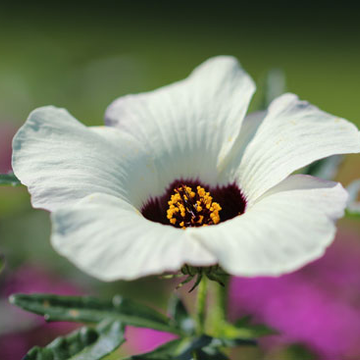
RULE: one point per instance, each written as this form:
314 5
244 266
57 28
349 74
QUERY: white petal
107 238
288 227
61 160
292 135
190 126
249 128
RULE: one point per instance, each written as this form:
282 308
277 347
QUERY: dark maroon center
229 197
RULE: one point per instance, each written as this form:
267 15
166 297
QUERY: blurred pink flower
7 132
30 329
317 306
32 279
141 340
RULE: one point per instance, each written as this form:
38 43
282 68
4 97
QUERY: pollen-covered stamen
188 208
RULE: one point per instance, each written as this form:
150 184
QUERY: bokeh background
81 56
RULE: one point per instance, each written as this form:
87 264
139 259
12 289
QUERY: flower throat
198 204
188 208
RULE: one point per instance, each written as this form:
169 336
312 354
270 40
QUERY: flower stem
218 313
218 316
201 306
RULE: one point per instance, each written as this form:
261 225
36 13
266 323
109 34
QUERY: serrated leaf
83 344
9 179
92 310
326 168
178 312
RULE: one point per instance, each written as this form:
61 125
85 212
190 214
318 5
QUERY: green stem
218 313
201 306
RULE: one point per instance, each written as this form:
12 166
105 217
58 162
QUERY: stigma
192 208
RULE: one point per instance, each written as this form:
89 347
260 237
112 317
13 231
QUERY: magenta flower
25 330
317 306
141 340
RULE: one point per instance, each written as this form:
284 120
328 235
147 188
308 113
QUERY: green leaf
242 333
326 168
84 344
9 179
93 310
245 329
178 312
351 214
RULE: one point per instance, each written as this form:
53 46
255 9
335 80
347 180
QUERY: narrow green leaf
84 344
9 179
178 312
245 329
93 310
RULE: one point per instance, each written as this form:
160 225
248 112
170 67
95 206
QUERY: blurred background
82 56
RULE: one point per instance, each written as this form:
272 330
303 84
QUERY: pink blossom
141 340
31 279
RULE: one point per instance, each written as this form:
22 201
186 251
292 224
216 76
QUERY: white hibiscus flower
130 199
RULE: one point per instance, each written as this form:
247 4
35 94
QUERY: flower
110 188
317 306
142 340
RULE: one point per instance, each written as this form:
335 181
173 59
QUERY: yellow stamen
188 208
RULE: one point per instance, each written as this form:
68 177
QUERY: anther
188 208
